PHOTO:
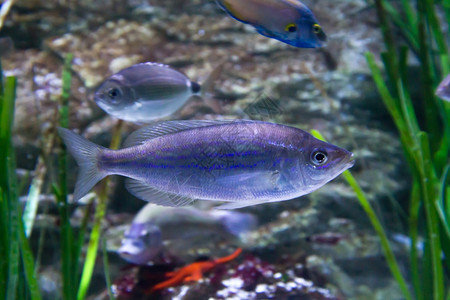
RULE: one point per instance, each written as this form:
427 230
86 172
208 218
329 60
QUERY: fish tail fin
86 154
208 84
235 222
207 88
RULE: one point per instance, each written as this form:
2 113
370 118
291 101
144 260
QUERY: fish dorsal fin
158 129
153 64
142 191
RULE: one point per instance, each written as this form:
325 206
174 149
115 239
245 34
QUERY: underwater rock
253 278
30 22
315 243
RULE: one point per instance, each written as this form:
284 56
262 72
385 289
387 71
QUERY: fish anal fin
241 204
142 191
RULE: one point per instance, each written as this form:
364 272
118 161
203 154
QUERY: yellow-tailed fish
289 21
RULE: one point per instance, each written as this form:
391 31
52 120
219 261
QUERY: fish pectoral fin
264 32
241 204
142 191
263 178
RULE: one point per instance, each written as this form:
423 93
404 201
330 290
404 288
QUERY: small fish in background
240 162
289 21
326 238
443 90
149 91
6 46
180 228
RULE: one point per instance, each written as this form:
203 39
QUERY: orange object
193 272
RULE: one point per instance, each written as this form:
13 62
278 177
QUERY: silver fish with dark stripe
148 91
240 162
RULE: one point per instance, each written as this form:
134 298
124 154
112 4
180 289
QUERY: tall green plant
376 224
426 143
17 271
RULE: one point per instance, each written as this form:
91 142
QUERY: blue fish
240 162
289 21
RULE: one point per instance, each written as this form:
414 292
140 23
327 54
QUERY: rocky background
320 246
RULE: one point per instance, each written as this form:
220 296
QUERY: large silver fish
148 91
289 21
241 162
180 229
443 90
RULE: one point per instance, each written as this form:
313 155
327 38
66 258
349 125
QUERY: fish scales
289 21
148 91
208 167
241 162
250 11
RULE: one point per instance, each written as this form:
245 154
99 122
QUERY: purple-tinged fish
180 229
240 162
443 90
149 91
289 21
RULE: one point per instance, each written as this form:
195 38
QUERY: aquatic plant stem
106 270
4 216
387 250
16 210
17 243
68 267
416 146
91 255
8 186
429 195
31 206
413 223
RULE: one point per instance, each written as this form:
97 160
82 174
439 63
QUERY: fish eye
319 157
113 93
291 27
317 28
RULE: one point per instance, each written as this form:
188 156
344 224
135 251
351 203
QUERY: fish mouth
350 161
128 250
98 98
